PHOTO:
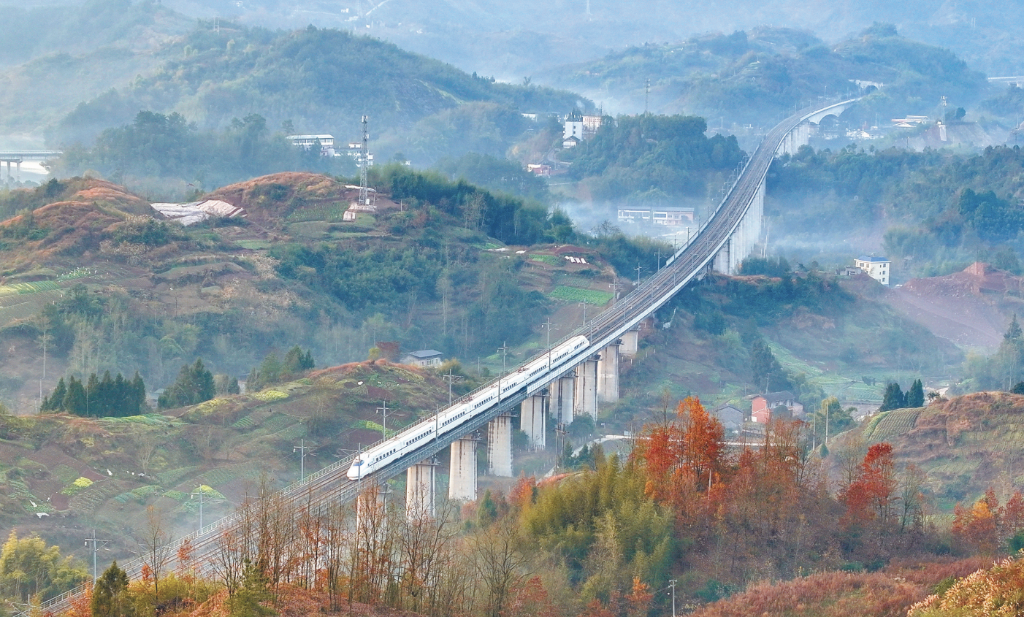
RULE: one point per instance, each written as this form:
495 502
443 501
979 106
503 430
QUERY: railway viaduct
727 237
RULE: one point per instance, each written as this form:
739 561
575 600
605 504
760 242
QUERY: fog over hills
515 40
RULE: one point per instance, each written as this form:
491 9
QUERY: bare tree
425 544
158 548
498 562
374 546
336 541
274 527
912 497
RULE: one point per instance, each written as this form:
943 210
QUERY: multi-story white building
875 267
675 217
308 141
572 129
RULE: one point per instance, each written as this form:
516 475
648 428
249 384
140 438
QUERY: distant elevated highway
20 156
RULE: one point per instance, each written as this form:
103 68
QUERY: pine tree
766 372
246 601
138 397
55 402
90 391
1010 356
75 400
110 595
893 398
915 395
205 389
293 360
194 385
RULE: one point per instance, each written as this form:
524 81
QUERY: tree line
99 398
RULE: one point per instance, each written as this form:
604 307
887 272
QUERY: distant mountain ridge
512 40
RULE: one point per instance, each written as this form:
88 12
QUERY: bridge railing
692 255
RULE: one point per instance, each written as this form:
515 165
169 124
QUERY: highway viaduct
17 157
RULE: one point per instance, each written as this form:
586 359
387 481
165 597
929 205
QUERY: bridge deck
331 483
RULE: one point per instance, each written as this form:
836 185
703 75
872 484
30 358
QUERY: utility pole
384 422
647 95
199 491
449 378
301 448
826 426
672 584
503 349
638 268
547 325
94 541
584 305
364 192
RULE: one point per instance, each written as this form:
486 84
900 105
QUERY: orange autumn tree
986 525
689 451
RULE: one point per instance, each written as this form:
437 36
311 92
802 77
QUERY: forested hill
316 81
29 32
749 76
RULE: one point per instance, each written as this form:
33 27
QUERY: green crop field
28 288
576 294
550 260
254 245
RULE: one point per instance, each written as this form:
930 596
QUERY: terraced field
889 425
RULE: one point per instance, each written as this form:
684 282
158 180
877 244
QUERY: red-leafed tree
873 493
689 450
531 600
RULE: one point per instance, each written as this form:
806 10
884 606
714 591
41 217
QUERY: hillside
320 81
965 445
833 338
971 308
932 213
432 268
227 444
888 593
755 76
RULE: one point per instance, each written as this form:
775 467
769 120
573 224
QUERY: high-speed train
455 416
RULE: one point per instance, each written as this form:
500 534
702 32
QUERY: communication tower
364 193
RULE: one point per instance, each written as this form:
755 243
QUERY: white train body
530 376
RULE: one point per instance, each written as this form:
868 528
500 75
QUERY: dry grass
888 593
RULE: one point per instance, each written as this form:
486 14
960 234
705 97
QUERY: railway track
331 485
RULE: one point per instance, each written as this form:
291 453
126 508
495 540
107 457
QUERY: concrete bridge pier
608 374
532 420
744 239
630 344
799 136
499 446
420 491
585 394
462 470
560 403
